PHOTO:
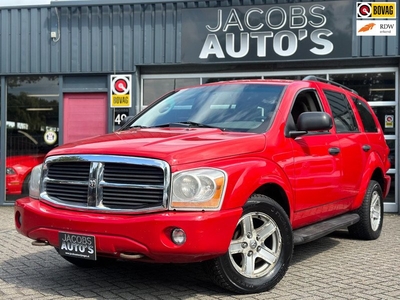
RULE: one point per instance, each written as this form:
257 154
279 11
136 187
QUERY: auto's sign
268 32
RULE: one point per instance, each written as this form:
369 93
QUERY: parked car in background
25 150
231 174
18 170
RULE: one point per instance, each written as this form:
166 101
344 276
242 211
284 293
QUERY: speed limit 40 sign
121 91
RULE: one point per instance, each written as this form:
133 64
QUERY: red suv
233 174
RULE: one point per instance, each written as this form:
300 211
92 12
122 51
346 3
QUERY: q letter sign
121 91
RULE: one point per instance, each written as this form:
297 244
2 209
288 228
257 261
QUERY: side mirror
314 121
311 121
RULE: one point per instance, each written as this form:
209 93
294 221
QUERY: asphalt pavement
333 267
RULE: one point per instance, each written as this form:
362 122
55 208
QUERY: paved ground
334 267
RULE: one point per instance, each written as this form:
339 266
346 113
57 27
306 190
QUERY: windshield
240 107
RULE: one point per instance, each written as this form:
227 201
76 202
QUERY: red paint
22 166
314 184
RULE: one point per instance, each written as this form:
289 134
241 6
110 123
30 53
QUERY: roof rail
320 79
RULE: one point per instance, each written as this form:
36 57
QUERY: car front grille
106 182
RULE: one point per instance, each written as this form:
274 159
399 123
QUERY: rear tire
371 214
260 251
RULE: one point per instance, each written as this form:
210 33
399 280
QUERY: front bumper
208 233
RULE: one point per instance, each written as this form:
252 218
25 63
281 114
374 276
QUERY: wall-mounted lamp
39 109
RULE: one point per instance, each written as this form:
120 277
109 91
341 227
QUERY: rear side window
365 115
342 112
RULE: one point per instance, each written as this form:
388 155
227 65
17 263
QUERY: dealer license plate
77 245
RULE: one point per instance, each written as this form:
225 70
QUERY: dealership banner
268 32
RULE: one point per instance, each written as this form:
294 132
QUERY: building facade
57 61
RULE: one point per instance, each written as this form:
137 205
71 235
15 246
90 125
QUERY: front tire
260 251
371 214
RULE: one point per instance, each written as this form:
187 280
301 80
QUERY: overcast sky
23 2
27 2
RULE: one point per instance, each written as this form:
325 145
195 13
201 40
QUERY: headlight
201 189
34 183
10 171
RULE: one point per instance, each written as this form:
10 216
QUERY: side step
315 231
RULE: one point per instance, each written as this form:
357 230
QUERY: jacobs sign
268 32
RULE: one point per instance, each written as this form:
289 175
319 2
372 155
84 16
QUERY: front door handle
334 151
366 148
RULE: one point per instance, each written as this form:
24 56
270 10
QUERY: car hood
174 145
27 159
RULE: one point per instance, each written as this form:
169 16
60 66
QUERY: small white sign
50 137
376 28
389 121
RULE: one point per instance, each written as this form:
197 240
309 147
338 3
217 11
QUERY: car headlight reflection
198 189
10 171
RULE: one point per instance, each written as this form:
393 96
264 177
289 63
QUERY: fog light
178 236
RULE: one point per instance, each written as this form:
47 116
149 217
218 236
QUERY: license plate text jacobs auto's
76 245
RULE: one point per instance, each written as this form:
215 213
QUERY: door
354 145
317 172
85 115
317 167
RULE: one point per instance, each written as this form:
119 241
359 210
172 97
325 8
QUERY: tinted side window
366 115
342 112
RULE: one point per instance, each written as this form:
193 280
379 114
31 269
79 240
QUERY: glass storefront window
371 86
392 153
391 196
32 128
386 117
205 80
290 77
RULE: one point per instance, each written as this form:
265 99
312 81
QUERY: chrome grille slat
140 196
70 171
106 182
63 192
123 173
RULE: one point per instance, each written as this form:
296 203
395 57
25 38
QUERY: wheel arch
374 174
258 177
277 193
378 176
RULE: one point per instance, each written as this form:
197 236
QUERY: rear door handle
334 150
366 148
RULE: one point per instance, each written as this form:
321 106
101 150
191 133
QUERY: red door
317 177
85 115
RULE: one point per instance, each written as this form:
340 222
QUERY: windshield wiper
181 124
193 124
